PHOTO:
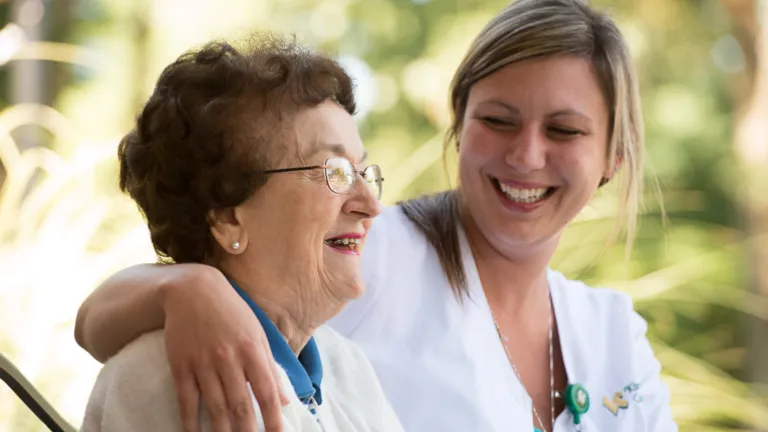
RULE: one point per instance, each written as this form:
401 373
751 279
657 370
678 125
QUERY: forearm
128 304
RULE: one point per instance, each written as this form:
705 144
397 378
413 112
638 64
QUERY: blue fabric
306 371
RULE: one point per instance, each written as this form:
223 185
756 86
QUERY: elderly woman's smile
464 319
350 243
270 187
306 227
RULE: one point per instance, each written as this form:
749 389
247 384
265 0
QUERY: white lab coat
443 367
135 392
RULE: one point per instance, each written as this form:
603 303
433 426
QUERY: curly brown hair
217 119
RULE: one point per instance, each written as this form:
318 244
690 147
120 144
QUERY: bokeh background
73 73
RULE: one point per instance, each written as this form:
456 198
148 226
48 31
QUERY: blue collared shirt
306 371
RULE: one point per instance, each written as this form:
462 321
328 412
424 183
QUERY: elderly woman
250 162
465 323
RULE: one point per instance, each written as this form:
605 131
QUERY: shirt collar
304 372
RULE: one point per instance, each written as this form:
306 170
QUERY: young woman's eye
495 122
564 132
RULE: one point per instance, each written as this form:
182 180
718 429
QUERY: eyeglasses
341 175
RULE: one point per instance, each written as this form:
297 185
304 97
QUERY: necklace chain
504 341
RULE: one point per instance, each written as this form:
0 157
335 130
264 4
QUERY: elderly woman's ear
228 230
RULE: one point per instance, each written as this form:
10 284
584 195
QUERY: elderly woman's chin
343 273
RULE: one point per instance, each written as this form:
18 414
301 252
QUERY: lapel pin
617 403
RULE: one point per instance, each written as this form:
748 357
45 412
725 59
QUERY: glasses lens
373 179
340 174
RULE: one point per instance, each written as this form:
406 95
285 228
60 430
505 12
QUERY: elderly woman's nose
363 201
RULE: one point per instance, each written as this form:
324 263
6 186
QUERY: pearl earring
235 245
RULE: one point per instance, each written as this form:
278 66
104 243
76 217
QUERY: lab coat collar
486 338
570 326
573 326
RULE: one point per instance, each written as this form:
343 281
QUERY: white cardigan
135 392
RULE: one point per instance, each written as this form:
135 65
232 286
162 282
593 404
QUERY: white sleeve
135 392
656 413
374 264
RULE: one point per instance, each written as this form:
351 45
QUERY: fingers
206 335
188 398
261 372
214 400
238 399
276 375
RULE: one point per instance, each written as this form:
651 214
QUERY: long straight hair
525 30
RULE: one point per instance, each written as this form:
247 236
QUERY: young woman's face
532 149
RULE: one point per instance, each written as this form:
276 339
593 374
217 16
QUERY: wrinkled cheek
343 279
307 262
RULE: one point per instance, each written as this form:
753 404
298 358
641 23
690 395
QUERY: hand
216 346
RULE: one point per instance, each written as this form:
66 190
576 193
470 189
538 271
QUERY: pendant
576 399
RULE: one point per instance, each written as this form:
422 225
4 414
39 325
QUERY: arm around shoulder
130 303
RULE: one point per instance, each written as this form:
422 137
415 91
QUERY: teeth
352 243
523 195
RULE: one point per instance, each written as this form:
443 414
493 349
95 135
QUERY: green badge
577 401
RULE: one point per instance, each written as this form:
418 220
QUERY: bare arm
214 342
128 304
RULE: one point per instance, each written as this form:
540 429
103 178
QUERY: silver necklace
504 341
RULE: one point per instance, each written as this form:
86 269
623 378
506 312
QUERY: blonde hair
529 29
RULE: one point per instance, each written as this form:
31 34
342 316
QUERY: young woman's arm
215 343
125 306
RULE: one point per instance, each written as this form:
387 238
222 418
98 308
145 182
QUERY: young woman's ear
610 171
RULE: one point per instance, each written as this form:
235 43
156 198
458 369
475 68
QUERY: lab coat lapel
573 327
